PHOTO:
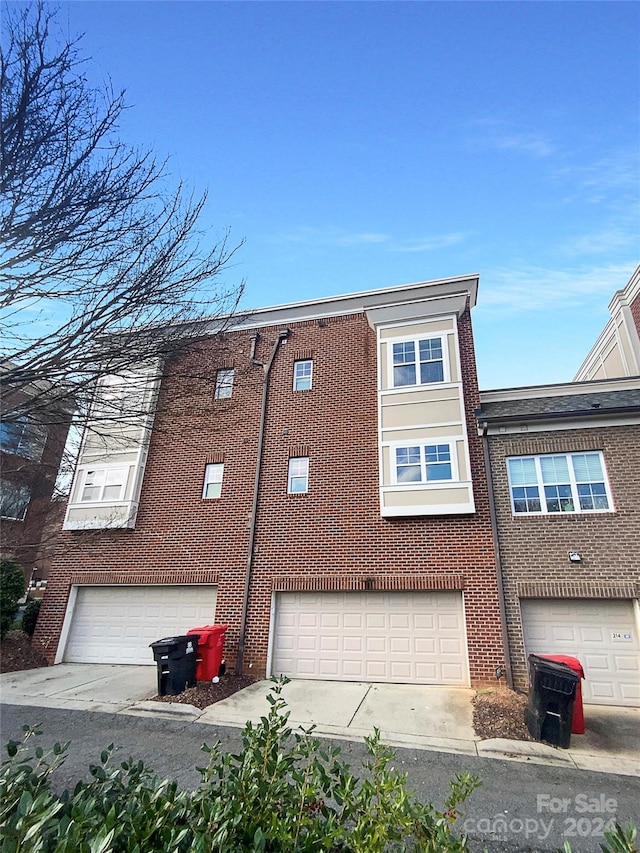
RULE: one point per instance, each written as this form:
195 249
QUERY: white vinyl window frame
14 500
224 383
418 357
102 484
298 476
559 484
423 463
213 476
303 374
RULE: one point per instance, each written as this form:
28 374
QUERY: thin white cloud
617 176
538 289
329 237
306 236
429 244
500 136
601 242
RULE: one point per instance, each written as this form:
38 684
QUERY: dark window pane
432 371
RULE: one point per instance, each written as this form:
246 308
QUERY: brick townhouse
31 447
565 485
314 478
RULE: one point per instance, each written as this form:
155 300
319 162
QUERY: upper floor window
418 362
568 482
213 480
298 482
14 500
224 384
424 463
103 484
24 438
302 375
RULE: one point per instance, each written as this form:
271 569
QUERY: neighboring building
31 448
313 478
616 353
565 469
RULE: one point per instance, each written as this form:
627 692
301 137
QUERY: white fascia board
560 425
434 293
628 294
564 389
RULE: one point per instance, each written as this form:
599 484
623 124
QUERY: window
556 483
224 384
302 375
418 362
103 484
298 475
14 500
24 438
119 397
213 480
423 463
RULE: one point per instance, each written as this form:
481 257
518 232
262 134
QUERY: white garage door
413 637
602 634
115 624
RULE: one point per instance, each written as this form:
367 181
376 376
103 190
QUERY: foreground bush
11 591
283 792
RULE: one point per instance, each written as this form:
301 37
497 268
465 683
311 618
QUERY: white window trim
577 509
295 377
215 469
452 444
291 476
102 501
427 336
225 378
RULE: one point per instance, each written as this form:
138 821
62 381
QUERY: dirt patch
207 693
17 653
500 713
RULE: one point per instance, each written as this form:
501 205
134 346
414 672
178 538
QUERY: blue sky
356 145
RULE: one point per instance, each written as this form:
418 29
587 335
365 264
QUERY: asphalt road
520 807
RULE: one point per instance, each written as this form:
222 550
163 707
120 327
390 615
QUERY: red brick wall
333 537
635 312
21 539
534 549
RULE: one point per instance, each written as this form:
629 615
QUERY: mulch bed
206 693
500 713
16 653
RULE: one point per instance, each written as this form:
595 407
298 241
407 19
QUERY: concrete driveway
80 686
418 716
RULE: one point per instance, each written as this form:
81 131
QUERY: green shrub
11 591
282 792
30 616
620 839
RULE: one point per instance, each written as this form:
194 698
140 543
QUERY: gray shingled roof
588 403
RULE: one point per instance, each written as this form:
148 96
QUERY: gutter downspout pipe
496 550
283 334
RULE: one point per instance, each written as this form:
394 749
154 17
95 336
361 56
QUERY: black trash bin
552 691
176 660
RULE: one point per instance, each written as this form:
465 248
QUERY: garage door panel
601 633
116 624
374 636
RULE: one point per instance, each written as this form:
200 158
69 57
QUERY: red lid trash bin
577 726
210 650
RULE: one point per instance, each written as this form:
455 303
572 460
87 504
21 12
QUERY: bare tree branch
102 265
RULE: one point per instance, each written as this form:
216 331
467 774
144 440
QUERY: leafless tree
102 264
